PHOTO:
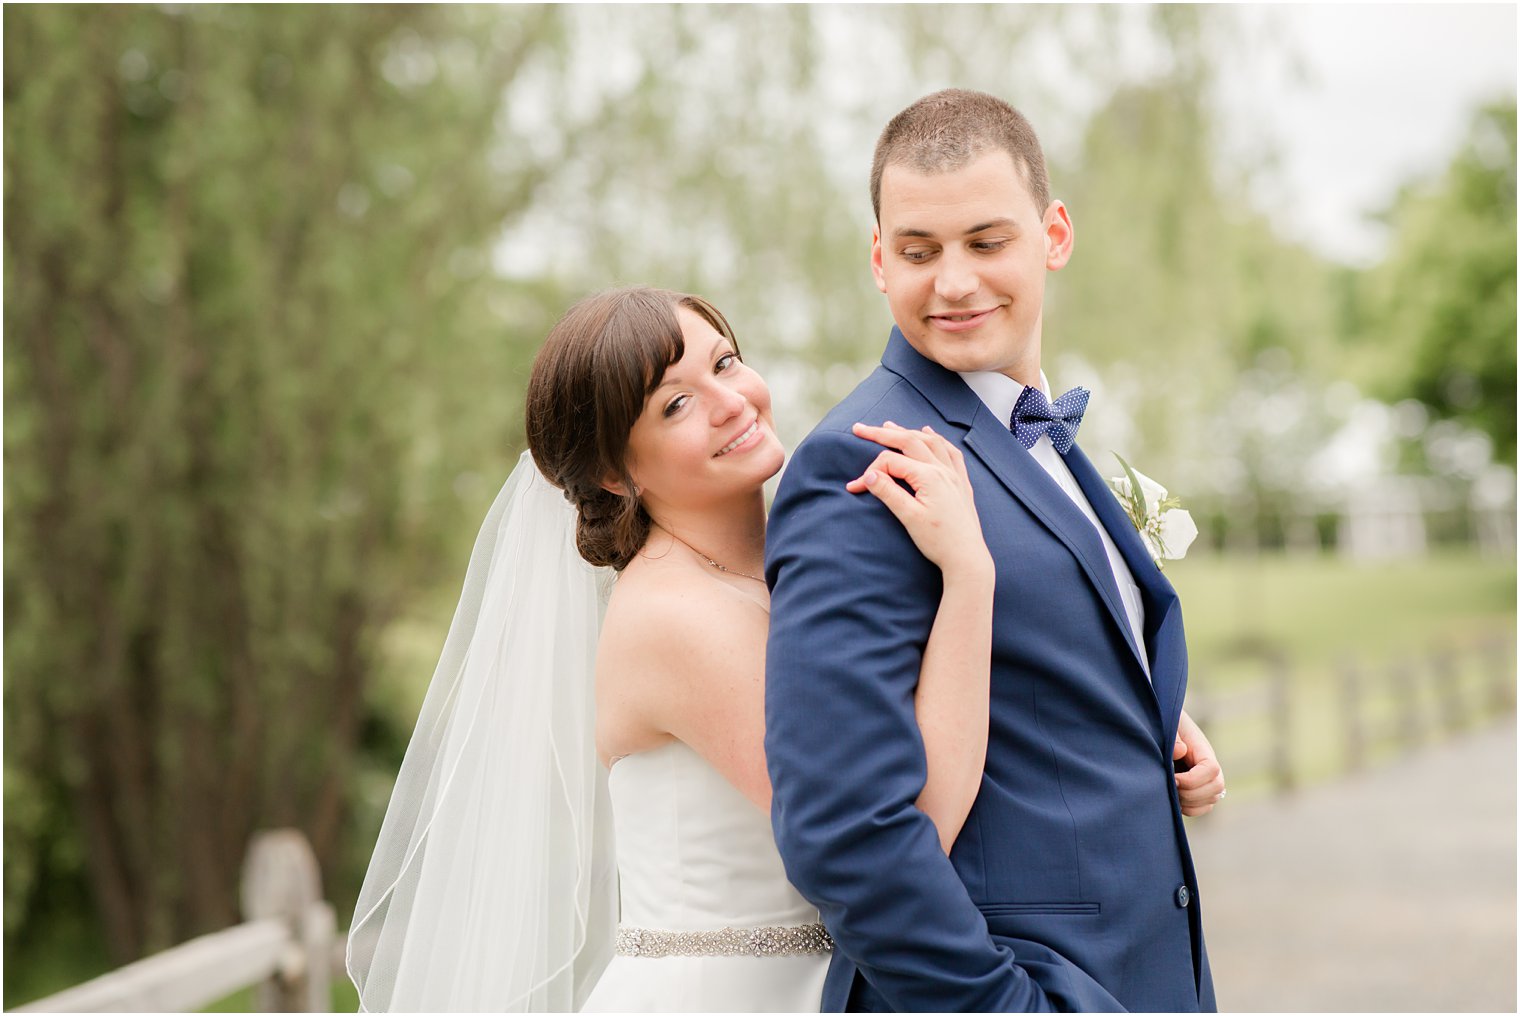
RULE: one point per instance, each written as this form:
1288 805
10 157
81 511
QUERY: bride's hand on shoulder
940 512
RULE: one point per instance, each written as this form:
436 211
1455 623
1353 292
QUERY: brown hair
946 130
588 387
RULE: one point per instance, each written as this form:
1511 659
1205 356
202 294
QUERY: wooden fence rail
1395 708
288 948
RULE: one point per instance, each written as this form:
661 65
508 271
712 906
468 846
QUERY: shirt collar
998 391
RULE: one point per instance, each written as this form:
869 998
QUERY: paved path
1392 891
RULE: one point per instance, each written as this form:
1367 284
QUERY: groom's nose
956 278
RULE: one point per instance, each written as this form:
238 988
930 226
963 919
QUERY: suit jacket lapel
1162 615
1147 576
992 442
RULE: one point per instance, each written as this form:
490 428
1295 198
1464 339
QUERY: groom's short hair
946 130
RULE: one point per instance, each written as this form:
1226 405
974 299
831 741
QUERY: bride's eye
675 404
725 361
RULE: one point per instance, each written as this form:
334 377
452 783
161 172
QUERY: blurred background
274 277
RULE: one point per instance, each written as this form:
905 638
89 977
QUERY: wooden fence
1364 712
287 948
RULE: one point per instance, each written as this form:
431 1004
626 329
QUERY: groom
1070 886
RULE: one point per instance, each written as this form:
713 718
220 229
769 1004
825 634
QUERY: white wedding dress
695 856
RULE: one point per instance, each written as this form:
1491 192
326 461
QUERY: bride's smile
743 438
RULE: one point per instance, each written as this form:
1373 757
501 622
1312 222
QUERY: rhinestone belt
794 940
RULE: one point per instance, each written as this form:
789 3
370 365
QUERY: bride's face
706 432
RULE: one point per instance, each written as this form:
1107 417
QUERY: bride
495 885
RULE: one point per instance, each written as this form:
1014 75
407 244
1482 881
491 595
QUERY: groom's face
962 257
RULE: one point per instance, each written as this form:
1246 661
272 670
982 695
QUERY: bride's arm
952 700
953 691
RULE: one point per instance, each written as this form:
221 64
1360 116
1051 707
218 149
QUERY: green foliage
1442 324
1177 289
1313 608
251 345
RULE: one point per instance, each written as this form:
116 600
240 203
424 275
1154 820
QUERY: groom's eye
916 254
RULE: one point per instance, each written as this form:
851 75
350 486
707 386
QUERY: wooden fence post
1351 714
281 880
1281 692
1501 676
1401 678
1445 675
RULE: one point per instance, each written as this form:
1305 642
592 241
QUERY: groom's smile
962 255
961 321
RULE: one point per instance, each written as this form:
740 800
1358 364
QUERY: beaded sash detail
794 940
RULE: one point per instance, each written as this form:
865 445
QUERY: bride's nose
727 403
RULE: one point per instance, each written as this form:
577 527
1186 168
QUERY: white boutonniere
1163 524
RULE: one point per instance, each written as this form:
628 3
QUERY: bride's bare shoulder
671 641
662 611
650 598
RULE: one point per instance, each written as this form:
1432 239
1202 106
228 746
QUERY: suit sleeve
852 605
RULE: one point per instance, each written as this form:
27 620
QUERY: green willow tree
249 346
1440 312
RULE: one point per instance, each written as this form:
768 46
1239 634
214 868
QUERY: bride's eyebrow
675 379
672 377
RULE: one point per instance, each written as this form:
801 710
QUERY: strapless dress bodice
694 854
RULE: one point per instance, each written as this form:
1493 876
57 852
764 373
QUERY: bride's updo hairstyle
589 383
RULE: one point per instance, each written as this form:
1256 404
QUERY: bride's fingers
941 449
924 439
877 465
959 458
912 443
923 445
960 470
898 501
894 464
952 457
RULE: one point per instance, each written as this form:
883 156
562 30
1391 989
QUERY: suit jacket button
1183 896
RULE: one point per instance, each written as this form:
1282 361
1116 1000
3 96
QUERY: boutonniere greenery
1164 525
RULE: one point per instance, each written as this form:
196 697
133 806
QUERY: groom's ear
1060 237
881 282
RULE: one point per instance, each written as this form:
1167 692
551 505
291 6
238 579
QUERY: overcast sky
1372 96
1388 93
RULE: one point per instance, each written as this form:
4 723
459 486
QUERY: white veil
493 885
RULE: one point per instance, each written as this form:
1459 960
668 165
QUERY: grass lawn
1316 609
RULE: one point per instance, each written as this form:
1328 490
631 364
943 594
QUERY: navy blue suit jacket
1070 886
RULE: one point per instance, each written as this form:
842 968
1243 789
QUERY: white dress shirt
999 392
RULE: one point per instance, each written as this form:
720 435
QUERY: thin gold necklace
721 568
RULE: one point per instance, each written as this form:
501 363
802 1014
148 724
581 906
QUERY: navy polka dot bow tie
1033 415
